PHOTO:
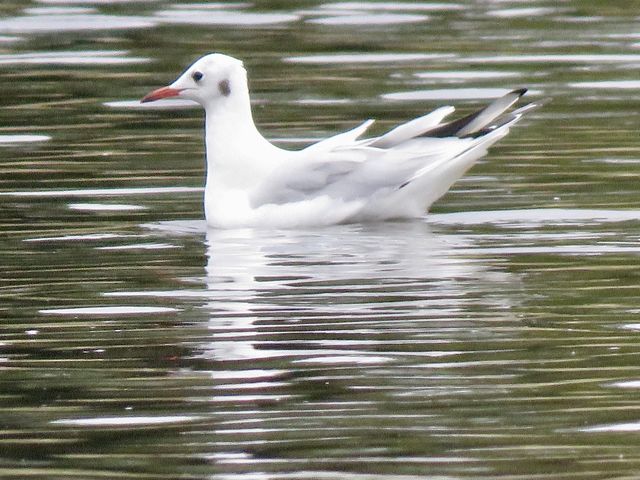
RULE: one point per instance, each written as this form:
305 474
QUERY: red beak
164 92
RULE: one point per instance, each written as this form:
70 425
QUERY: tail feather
411 129
511 117
450 169
467 126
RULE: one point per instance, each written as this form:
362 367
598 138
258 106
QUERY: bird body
251 182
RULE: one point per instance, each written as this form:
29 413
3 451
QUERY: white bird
342 179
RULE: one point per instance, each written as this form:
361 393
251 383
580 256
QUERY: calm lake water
498 337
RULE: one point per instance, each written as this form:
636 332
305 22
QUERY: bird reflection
264 285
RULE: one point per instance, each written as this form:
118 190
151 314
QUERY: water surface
498 337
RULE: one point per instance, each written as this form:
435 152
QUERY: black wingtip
520 92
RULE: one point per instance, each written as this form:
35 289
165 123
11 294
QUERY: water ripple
182 15
386 19
366 58
448 94
110 310
394 6
72 23
497 337
95 57
23 138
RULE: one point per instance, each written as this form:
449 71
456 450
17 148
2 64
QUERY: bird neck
230 130
238 156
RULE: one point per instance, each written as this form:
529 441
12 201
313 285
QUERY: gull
342 179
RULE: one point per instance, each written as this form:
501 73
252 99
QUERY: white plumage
341 179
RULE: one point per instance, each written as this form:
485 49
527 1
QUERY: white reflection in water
345 274
156 105
334 288
556 58
108 310
107 192
396 6
609 85
223 17
213 6
448 94
466 75
81 238
72 23
140 246
342 359
528 12
10 139
323 101
612 428
536 217
350 58
318 474
370 19
627 384
57 10
131 421
96 57
105 207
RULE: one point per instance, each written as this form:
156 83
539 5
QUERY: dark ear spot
224 87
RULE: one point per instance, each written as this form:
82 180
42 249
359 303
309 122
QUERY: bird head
210 79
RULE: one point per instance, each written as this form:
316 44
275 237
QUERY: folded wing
407 168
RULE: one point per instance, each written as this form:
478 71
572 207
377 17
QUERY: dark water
497 338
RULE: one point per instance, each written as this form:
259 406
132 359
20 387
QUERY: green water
498 337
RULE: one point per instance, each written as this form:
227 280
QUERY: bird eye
197 76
